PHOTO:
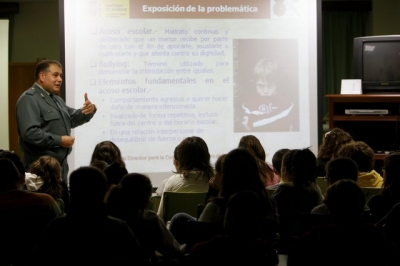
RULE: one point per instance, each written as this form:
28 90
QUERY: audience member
240 169
390 224
239 172
247 239
100 164
114 173
338 169
46 178
363 155
381 204
349 241
297 194
128 201
110 153
22 213
333 140
194 169
16 161
267 173
86 233
277 164
215 181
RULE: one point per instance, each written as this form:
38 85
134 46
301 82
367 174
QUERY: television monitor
376 61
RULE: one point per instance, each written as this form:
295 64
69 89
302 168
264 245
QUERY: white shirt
178 183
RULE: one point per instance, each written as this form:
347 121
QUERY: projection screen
160 71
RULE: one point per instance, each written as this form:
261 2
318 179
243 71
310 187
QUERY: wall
4 117
385 17
35 32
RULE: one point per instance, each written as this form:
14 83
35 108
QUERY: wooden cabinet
380 132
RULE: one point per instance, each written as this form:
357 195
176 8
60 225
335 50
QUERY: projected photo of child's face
265 87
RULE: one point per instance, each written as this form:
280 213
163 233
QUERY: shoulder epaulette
31 91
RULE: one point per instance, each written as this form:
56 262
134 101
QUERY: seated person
128 201
267 173
22 213
46 178
297 194
363 155
277 164
390 224
333 140
193 172
382 203
347 241
247 236
86 233
215 181
108 152
338 169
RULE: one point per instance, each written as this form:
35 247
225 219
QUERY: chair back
186 202
322 183
154 202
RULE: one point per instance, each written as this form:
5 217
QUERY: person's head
341 168
252 143
17 162
299 166
193 154
215 182
240 172
49 170
332 142
265 77
114 173
361 153
345 201
391 172
138 188
100 164
48 74
9 175
130 196
277 160
87 188
107 151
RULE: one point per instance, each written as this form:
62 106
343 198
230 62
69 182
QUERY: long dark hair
253 144
300 166
49 170
193 154
241 172
109 152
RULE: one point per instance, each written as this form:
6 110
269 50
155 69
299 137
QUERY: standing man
45 121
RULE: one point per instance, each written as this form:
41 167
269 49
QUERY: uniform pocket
51 116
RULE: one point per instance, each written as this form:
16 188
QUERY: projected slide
160 71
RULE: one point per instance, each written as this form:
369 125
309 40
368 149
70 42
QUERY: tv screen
377 63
